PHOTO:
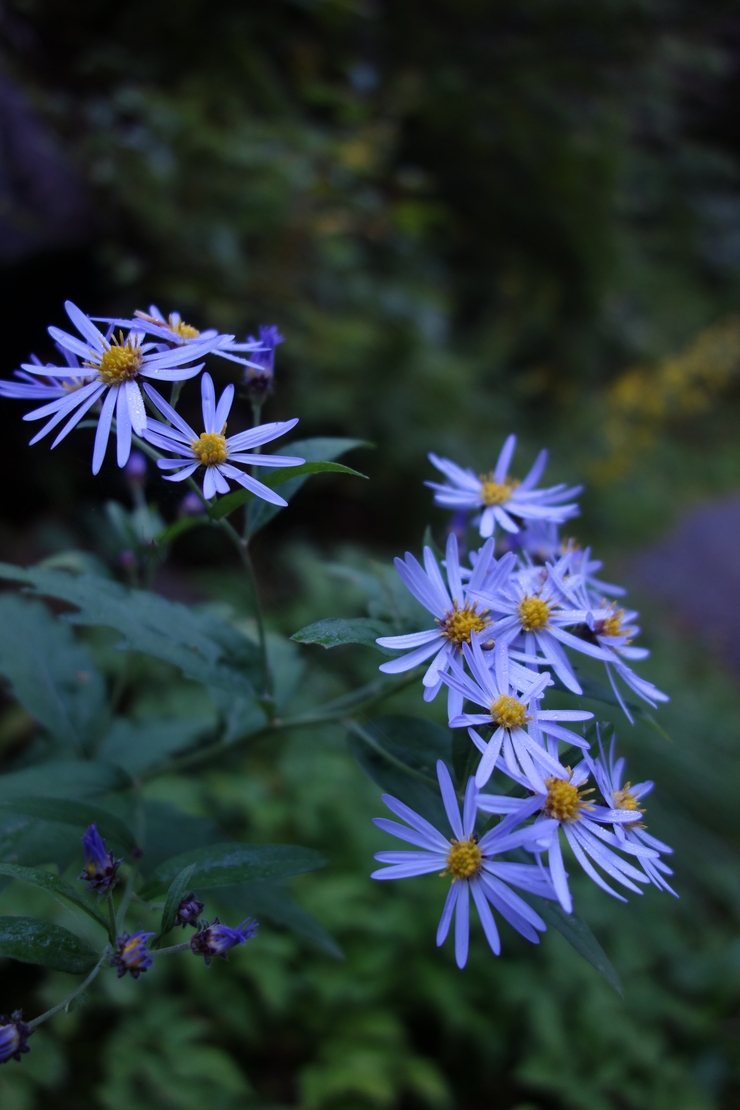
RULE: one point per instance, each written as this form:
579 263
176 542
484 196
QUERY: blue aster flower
212 449
14 1034
510 705
502 500
626 797
101 868
559 799
471 864
216 939
117 364
132 954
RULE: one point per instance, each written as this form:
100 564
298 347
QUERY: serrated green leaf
60 778
67 812
227 864
231 501
203 647
56 886
336 631
400 754
175 895
139 745
316 449
52 675
40 942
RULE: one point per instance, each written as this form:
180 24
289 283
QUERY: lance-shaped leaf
39 942
275 478
52 675
203 647
57 887
336 631
68 812
175 895
226 864
139 745
577 933
271 900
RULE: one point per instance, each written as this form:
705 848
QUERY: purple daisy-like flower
132 954
500 498
212 449
456 614
116 364
509 708
14 1034
560 799
624 796
101 868
216 939
471 864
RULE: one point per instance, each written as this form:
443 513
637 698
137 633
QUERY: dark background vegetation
466 217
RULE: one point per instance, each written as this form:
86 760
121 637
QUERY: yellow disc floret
493 492
534 613
463 859
507 712
625 799
564 800
210 448
120 363
179 327
611 625
457 624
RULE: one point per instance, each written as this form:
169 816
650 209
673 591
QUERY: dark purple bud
127 560
258 377
136 468
137 853
191 505
14 1034
100 866
189 911
132 955
216 939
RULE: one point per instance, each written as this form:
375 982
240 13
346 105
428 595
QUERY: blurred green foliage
465 217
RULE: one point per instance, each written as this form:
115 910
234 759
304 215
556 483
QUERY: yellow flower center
493 492
210 448
507 712
185 331
534 613
625 799
564 800
612 625
120 363
463 859
458 624
133 952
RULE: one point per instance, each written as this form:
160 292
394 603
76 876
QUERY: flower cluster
111 373
506 629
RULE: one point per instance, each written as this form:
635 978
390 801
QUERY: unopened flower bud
14 1034
191 505
216 939
189 911
100 866
132 955
258 377
136 468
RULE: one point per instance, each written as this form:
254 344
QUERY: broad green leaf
55 886
63 778
52 675
274 478
31 843
67 812
272 900
317 449
39 942
402 763
170 832
203 647
577 933
226 864
337 630
139 745
176 893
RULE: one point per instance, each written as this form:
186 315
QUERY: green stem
243 550
335 710
170 950
127 894
63 1005
113 930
